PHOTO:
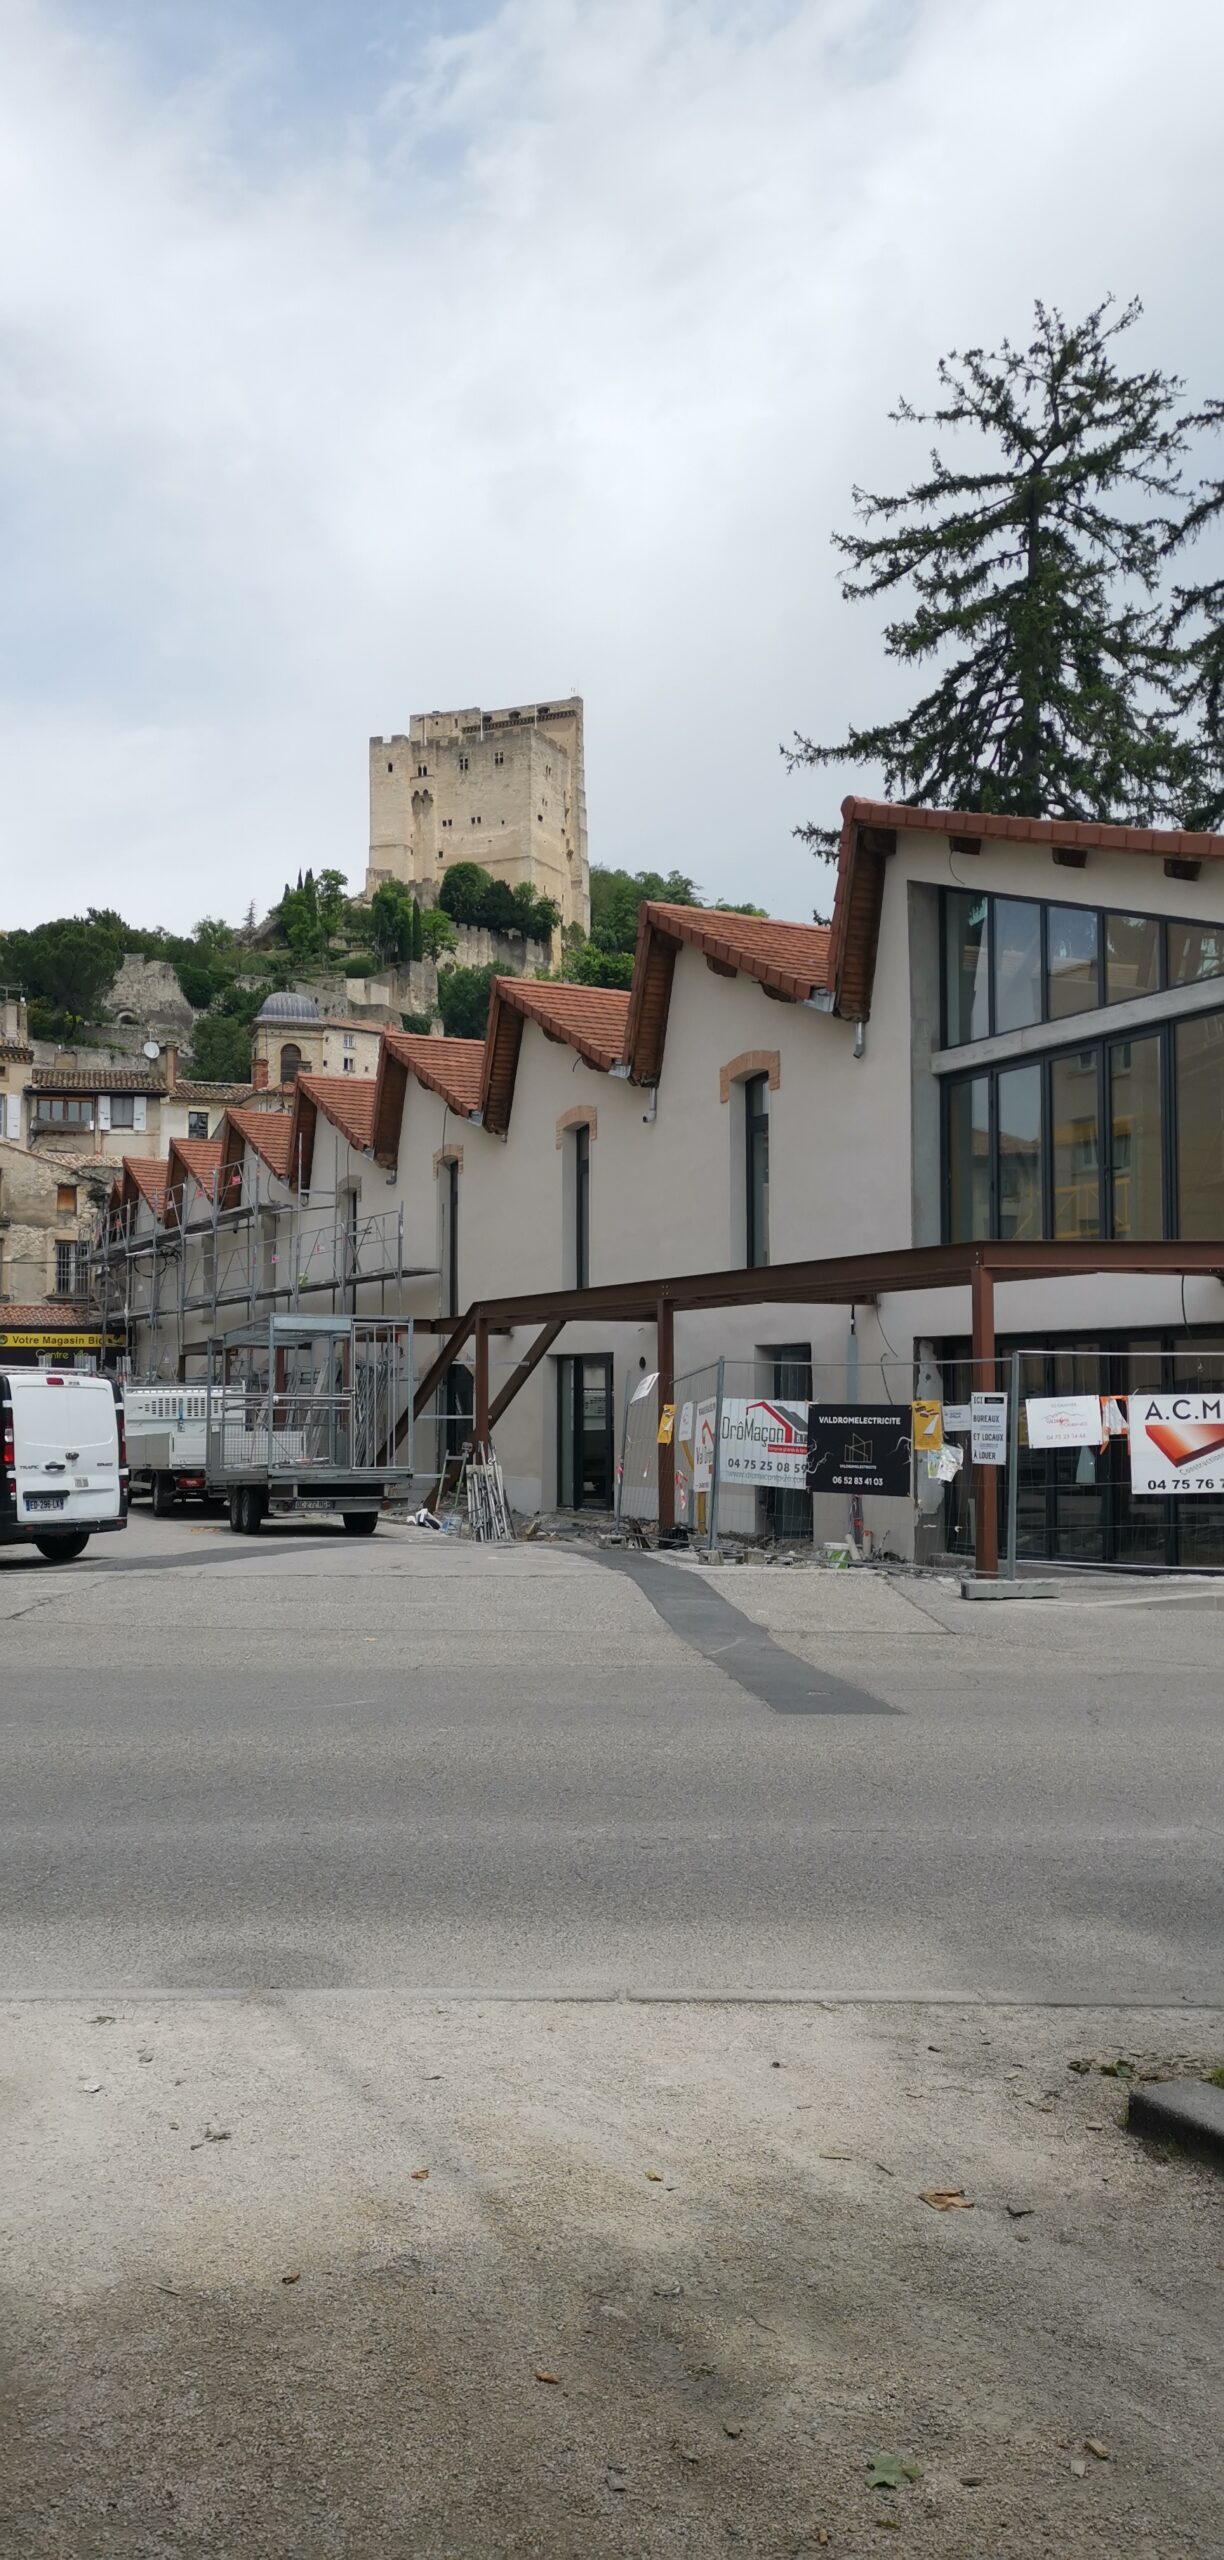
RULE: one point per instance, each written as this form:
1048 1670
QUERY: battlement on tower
504 788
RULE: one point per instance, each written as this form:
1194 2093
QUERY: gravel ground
668 2287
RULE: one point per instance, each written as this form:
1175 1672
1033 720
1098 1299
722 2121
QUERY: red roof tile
589 1019
200 1156
347 1101
1170 843
451 1068
270 1133
110 1079
14 1053
870 827
793 958
150 1175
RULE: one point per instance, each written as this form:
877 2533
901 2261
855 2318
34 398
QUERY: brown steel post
985 1375
480 1392
665 1356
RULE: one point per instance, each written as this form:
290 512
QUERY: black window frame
1103 1043
756 1130
582 1205
1103 1002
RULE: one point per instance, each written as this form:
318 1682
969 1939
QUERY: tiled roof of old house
50 1317
110 1079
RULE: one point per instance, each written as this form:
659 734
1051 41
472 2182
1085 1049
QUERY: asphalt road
310 1762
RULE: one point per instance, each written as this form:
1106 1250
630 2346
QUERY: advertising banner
860 1449
764 1441
1177 1443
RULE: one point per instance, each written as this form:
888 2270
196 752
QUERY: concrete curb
1187 2112
972 1589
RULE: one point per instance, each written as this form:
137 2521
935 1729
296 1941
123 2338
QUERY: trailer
167 1430
310 1413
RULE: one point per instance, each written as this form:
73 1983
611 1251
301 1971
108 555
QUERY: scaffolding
269 1253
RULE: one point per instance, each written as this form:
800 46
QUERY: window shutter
12 1116
138 1111
104 1110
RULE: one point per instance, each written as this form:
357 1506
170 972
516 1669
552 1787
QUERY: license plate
44 1502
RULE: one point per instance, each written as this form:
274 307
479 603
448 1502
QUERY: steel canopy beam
852 1279
519 1377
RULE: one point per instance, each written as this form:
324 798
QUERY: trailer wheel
162 1496
360 1524
245 1510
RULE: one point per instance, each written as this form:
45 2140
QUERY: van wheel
250 1509
360 1524
62 1550
162 1496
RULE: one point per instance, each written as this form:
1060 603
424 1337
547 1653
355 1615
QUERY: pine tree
1037 581
1196 625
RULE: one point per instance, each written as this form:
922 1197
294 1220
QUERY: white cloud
548 362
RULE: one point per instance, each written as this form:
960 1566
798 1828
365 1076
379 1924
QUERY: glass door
585 1459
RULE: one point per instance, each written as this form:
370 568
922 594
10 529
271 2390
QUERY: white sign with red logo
1177 1443
763 1441
1063 1422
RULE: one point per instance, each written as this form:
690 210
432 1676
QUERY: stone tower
502 788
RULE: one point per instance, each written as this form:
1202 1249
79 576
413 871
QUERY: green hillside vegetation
68 966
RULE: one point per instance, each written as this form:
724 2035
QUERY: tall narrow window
968 1160
1019 1140
1135 1148
450 1236
756 1170
966 966
1017 963
1075 1145
1200 1127
582 1207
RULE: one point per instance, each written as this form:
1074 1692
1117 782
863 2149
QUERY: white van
63 1467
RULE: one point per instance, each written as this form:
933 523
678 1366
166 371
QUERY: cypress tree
1035 566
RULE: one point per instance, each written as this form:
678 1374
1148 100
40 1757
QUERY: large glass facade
1009 962
1076 1505
1117 1138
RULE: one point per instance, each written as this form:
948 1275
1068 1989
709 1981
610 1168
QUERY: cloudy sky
364 356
